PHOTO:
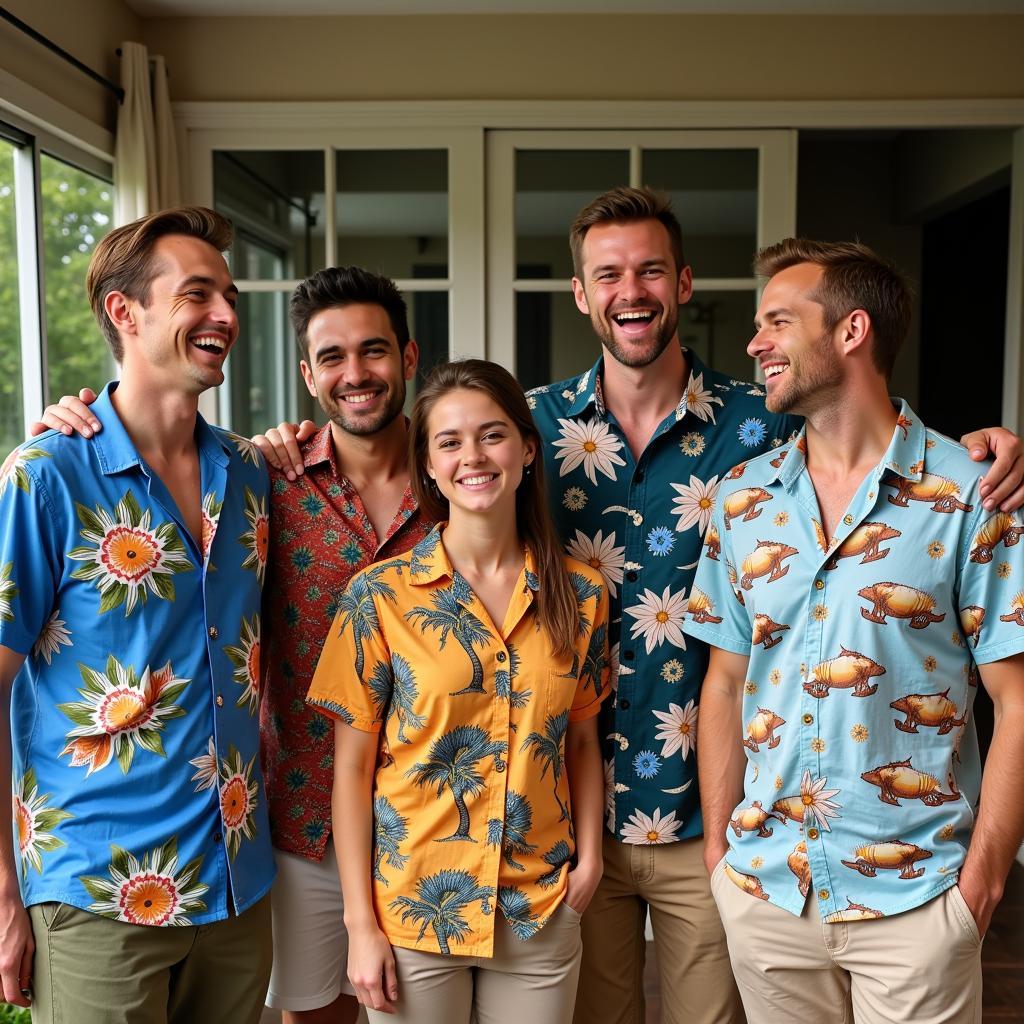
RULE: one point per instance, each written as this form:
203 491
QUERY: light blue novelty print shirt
137 791
641 522
862 762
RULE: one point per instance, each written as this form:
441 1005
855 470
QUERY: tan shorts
922 966
310 941
531 982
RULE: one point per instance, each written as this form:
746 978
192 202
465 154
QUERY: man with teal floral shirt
855 871
131 568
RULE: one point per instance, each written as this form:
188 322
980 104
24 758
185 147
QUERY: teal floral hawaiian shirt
642 523
137 791
862 766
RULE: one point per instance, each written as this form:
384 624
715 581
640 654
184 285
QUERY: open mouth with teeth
478 480
773 370
358 397
634 320
215 344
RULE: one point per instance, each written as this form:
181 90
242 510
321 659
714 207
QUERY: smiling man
130 580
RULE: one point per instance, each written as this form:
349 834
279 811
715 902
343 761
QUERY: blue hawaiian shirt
862 769
642 523
137 792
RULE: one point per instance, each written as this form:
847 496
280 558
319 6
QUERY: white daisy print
817 799
600 553
206 768
659 618
52 637
677 729
695 503
698 401
641 830
591 445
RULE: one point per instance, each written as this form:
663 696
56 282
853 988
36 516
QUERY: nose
472 453
354 371
632 287
224 314
758 344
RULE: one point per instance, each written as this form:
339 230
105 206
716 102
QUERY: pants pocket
52 914
963 913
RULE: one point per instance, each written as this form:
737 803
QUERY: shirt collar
430 562
319 448
115 450
904 456
589 387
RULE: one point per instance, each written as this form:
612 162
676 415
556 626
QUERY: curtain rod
62 53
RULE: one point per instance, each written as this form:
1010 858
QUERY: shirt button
823 894
213 632
628 655
499 766
500 655
819 584
631 576
808 719
812 833
848 519
624 704
220 701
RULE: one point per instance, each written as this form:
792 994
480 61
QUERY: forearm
586 792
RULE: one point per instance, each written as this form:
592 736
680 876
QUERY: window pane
714 195
428 324
275 200
264 363
11 426
392 211
718 327
552 186
77 211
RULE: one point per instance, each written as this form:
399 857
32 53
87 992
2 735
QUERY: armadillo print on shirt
862 761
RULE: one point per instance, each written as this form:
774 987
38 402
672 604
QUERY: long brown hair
556 601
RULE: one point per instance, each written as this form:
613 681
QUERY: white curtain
145 155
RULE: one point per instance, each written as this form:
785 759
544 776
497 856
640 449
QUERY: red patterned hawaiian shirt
320 537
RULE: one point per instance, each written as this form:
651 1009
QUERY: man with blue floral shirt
131 569
854 869
640 447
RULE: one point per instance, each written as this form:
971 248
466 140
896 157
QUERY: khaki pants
91 970
531 982
694 975
922 966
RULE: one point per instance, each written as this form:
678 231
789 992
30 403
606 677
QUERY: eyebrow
209 282
483 426
772 314
615 266
333 347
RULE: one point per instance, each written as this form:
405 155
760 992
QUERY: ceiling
292 8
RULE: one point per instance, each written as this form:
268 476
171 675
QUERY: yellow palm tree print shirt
471 800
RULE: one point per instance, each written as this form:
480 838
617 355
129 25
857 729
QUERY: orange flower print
238 799
211 515
245 656
256 540
35 822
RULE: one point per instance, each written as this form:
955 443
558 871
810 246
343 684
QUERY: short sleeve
716 613
31 554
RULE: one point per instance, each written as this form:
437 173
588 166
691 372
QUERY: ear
855 332
122 312
580 296
685 285
307 376
531 452
410 359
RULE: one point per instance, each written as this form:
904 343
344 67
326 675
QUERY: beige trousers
525 982
923 966
694 975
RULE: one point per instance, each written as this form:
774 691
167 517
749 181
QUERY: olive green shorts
91 970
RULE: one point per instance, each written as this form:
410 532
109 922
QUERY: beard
812 381
642 353
362 426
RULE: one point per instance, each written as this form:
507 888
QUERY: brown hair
622 206
557 609
853 277
123 261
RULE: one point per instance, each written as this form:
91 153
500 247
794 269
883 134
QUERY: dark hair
853 277
622 206
123 261
557 609
336 287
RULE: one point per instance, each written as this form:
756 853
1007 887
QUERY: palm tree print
450 618
393 687
423 552
441 900
516 909
585 590
390 829
558 856
547 748
596 659
358 611
504 678
511 834
452 764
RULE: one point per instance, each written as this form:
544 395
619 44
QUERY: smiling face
802 369
475 454
184 333
631 289
355 369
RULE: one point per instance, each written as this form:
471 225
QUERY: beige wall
591 57
90 30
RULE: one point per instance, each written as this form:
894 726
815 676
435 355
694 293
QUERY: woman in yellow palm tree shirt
465 676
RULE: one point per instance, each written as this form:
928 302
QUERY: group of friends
441 676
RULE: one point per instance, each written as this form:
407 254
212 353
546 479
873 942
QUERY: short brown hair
853 277
623 206
123 261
